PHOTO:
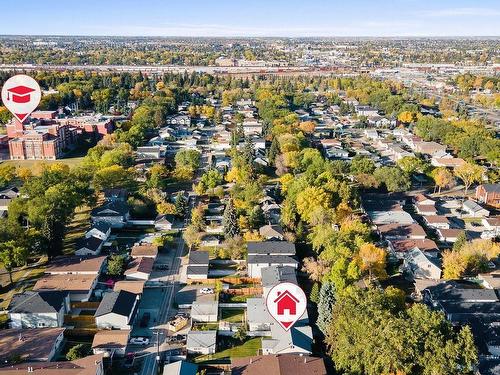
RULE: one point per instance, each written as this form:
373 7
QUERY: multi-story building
46 137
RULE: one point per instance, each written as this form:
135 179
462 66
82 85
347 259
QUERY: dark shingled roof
198 258
197 270
271 247
120 303
37 302
271 259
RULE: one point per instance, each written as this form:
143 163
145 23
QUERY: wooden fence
85 305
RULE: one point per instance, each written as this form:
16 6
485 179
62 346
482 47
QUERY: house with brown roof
93 265
425 209
139 269
423 200
449 235
90 365
147 250
396 231
111 342
447 162
401 247
437 221
34 345
283 364
132 286
79 287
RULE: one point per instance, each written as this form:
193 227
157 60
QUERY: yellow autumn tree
373 261
310 199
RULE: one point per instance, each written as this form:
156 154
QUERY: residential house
89 365
423 200
489 194
180 368
197 265
38 309
75 265
269 253
422 265
274 275
425 210
401 247
475 210
396 231
201 342
100 230
204 311
111 342
297 340
164 222
116 310
79 286
139 269
35 345
144 250
272 232
429 148
258 318
447 162
115 213
283 364
437 221
132 286
149 152
88 246
114 195
449 235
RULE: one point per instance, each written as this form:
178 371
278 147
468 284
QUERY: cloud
461 12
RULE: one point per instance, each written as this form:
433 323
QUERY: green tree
181 204
77 351
314 296
393 178
7 173
116 264
362 165
325 305
241 333
12 255
468 173
230 221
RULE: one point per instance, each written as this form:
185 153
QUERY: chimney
305 359
251 360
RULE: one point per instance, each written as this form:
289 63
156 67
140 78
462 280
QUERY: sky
252 18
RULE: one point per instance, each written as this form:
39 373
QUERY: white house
201 342
111 342
297 340
475 210
41 309
115 213
437 221
88 246
100 230
421 265
258 318
202 311
116 310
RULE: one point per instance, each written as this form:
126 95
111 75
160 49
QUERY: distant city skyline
259 18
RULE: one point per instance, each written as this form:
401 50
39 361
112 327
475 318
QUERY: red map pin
286 302
21 95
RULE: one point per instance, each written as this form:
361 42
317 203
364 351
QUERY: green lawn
76 229
205 326
240 298
233 315
248 348
33 164
23 279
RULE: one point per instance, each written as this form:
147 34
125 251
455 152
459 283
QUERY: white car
206 291
139 341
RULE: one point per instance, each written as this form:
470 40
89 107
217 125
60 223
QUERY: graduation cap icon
20 94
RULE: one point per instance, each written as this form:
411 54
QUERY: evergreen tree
181 204
230 221
325 306
274 151
248 151
314 296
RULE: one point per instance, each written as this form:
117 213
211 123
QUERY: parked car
206 291
145 319
139 341
182 315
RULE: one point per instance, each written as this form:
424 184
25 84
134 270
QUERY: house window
41 324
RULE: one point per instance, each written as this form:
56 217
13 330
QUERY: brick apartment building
46 137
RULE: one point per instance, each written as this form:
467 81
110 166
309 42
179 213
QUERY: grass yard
34 165
23 279
239 298
233 315
76 229
231 348
205 326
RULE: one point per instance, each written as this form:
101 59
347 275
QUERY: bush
78 351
